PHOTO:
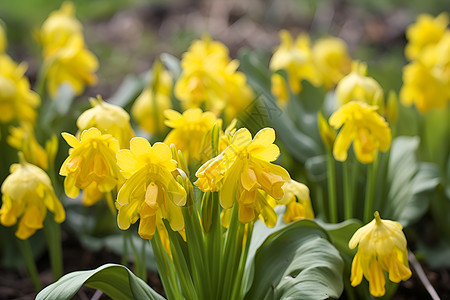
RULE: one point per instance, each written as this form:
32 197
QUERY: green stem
331 179
125 247
233 249
52 231
25 249
372 170
137 260
143 266
214 241
348 205
166 269
238 282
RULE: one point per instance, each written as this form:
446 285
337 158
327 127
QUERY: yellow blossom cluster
426 79
66 58
322 64
210 79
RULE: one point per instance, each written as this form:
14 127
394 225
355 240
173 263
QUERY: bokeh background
127 35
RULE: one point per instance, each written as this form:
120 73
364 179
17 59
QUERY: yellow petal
139 146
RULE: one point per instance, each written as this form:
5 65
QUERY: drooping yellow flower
427 31
72 64
356 86
296 59
200 82
242 170
66 58
59 28
297 201
332 60
22 138
188 132
363 126
109 119
91 165
280 89
27 194
3 41
17 101
150 193
382 246
423 88
154 100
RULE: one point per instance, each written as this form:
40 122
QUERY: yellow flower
280 89
22 138
332 60
155 96
27 194
72 64
296 59
382 246
109 119
91 165
363 126
242 170
297 201
423 88
427 31
17 101
200 81
356 86
3 41
150 193
189 132
59 28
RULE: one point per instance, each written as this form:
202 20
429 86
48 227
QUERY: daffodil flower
297 201
91 165
356 86
243 169
381 246
109 119
362 125
296 59
27 194
150 193
17 101
188 132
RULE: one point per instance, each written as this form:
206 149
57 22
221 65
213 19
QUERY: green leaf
172 64
116 281
409 181
296 262
128 90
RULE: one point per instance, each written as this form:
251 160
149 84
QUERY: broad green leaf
172 64
296 262
341 233
116 281
409 181
128 90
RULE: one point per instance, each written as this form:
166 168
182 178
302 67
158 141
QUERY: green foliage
297 262
116 281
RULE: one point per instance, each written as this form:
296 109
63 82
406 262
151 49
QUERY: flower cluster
242 170
210 79
66 57
325 63
426 79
